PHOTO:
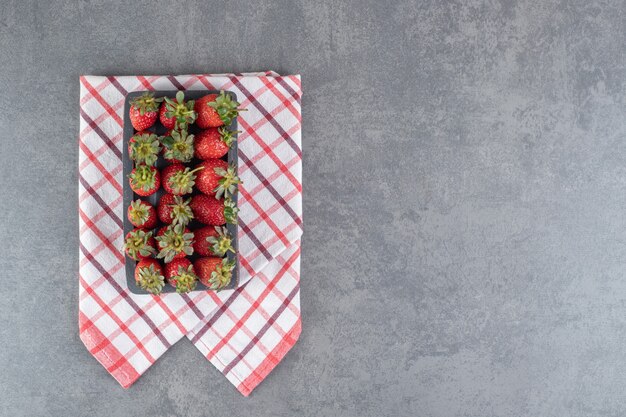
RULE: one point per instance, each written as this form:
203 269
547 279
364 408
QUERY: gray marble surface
465 176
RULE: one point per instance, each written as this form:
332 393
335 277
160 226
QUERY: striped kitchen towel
243 332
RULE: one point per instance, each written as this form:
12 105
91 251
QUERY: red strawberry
180 110
144 148
144 180
207 116
217 178
167 122
167 173
175 242
178 146
213 212
143 111
216 110
213 272
173 209
212 241
171 269
213 142
164 208
163 147
142 214
180 274
139 244
149 275
131 141
178 179
208 180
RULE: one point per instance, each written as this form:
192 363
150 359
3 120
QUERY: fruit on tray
173 209
167 122
175 241
165 209
213 212
180 274
217 178
208 180
212 241
142 215
149 275
227 184
178 145
166 250
139 244
143 111
215 110
214 272
177 112
178 179
213 142
144 148
144 180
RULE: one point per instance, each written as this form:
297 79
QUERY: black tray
129 196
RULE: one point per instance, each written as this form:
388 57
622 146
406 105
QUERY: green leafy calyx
221 243
175 240
144 148
226 108
143 177
178 145
222 275
181 211
185 279
150 279
139 212
179 109
146 103
182 182
227 136
228 183
230 211
137 244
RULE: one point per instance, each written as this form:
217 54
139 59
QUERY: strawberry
144 148
149 275
213 142
164 208
213 272
144 180
141 214
217 178
212 241
167 122
143 111
216 110
174 210
175 242
178 179
139 244
208 180
178 146
213 212
182 112
180 274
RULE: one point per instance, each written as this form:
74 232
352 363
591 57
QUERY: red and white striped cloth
243 332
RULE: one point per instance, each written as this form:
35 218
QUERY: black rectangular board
129 195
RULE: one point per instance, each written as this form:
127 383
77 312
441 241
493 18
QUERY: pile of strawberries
197 186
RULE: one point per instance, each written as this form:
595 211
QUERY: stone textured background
465 169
